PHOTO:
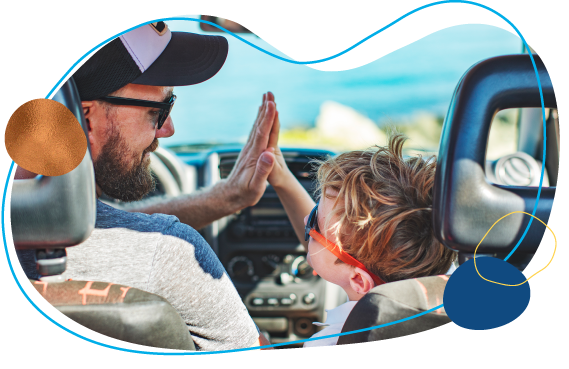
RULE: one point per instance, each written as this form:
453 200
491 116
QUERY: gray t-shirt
158 254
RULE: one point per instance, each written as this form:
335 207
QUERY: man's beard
113 175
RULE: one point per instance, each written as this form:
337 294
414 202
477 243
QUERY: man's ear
88 112
87 109
360 281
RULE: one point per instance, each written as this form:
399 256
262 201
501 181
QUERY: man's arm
242 188
263 341
197 209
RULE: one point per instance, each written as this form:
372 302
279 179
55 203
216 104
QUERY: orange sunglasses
311 230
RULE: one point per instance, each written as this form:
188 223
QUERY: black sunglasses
165 107
311 223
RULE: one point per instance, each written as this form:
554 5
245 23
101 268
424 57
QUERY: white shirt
334 323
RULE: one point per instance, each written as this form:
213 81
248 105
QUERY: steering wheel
165 178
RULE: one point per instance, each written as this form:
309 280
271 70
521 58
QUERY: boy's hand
280 174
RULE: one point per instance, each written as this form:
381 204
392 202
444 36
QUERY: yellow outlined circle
519 284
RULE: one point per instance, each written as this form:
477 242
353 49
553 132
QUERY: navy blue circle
473 303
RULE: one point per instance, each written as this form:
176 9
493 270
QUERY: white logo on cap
160 27
144 45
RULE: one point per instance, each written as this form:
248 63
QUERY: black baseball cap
151 55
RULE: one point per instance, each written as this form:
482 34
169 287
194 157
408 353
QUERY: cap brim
188 59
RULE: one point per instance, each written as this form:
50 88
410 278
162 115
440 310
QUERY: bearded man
127 95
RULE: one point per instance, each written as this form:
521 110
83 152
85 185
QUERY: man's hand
248 179
243 187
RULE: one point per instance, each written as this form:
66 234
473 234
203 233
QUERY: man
126 92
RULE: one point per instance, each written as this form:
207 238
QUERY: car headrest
465 204
56 212
393 301
121 312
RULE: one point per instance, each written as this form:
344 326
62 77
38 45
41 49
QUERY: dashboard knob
285 278
309 298
272 262
240 267
300 268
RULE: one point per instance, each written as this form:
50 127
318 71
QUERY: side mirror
222 22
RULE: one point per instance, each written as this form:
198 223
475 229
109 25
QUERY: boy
371 226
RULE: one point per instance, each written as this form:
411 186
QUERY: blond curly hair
383 206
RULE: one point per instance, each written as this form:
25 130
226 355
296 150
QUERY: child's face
320 258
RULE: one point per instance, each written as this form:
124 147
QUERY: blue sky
420 77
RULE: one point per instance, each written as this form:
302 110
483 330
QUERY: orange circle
44 137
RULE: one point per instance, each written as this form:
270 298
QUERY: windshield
409 89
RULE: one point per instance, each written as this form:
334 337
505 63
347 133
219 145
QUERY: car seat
49 214
465 204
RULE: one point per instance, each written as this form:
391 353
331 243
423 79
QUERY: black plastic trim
465 205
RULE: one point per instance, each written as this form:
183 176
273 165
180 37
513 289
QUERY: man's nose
167 129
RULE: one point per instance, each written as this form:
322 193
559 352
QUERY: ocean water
418 78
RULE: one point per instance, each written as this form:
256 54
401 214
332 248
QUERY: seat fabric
394 301
121 312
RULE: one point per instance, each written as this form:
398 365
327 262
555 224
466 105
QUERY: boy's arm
296 201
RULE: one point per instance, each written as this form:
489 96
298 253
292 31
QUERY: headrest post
463 257
51 262
519 260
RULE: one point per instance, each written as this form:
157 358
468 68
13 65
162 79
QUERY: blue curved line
295 62
544 154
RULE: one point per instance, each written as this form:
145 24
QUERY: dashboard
258 246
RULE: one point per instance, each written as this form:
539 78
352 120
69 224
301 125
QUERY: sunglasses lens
162 118
164 113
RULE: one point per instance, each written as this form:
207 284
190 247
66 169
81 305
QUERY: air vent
226 163
517 172
518 169
301 166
